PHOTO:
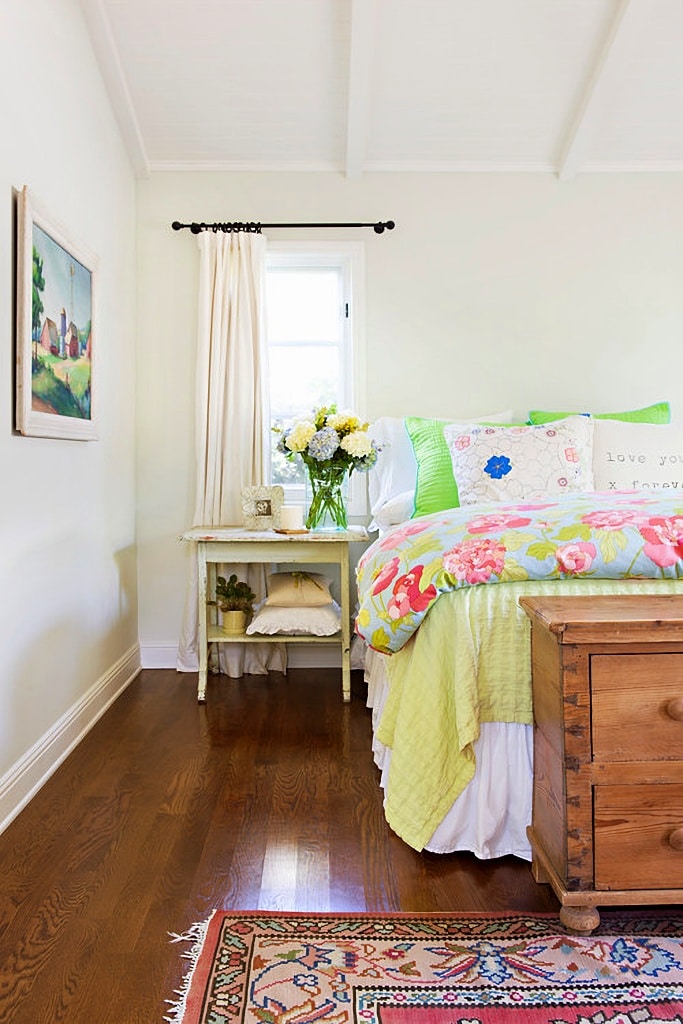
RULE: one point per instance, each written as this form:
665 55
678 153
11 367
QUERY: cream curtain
232 423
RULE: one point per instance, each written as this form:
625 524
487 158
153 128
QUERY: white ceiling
356 86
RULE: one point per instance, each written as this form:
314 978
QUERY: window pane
310 347
303 305
287 472
301 378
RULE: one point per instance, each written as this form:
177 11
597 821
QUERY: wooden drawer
607 818
637 707
638 837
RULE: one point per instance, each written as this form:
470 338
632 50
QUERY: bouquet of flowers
330 444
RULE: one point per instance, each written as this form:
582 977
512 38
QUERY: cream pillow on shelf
324 620
494 463
298 589
637 456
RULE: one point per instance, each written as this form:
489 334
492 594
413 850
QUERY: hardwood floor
264 798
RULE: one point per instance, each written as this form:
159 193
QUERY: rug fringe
196 934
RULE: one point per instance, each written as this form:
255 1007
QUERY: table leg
202 638
345 624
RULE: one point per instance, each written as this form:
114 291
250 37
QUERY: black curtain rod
254 227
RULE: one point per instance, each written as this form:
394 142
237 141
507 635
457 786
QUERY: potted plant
235 598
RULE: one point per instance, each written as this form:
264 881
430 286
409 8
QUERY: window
313 301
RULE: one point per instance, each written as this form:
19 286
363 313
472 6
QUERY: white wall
492 291
68 628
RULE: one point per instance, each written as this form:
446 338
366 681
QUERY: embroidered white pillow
637 456
520 462
324 620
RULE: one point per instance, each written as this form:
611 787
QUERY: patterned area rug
281 968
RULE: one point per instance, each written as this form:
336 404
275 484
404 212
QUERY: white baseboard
160 655
25 778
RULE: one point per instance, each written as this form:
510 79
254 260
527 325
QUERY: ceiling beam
361 55
627 26
115 82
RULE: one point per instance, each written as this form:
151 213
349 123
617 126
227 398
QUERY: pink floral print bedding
591 535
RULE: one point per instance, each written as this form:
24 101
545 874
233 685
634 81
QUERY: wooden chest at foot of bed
607 821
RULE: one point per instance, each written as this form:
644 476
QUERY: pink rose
385 575
576 558
408 596
400 533
475 560
496 521
610 519
398 606
664 539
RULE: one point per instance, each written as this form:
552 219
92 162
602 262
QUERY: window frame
350 258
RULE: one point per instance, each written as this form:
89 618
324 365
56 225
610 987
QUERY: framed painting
56 340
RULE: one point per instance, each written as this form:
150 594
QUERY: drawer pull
676 839
674 709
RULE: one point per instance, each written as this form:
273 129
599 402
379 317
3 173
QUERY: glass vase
327 510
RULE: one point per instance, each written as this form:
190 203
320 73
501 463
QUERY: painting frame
56 382
261 507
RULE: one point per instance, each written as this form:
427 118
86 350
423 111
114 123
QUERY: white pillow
395 471
516 463
325 620
396 510
637 456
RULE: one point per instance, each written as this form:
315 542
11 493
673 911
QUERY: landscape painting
55 299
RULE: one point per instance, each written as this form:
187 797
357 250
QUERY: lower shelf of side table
219 636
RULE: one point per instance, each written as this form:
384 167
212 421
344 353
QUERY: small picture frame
261 507
56 323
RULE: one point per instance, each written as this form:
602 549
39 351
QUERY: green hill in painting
54 392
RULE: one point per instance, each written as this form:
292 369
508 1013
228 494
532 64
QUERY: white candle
291 517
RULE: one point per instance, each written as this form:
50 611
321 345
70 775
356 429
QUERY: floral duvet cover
591 535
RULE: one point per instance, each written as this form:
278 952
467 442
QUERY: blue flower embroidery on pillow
498 466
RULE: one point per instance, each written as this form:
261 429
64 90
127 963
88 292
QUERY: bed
470 516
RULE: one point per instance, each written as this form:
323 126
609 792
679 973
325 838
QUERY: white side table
234 544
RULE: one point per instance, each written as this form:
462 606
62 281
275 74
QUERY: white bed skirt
490 817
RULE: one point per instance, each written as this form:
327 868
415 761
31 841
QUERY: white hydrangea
298 437
358 444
